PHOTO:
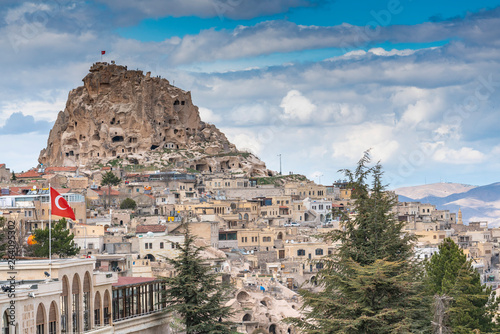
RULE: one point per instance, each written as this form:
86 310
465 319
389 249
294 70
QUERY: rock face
139 119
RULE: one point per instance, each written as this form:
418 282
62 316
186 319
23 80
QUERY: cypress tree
471 306
195 293
370 284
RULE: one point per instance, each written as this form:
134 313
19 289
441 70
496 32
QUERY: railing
137 315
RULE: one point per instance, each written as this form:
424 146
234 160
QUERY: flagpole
50 234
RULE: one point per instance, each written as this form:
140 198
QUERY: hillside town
263 234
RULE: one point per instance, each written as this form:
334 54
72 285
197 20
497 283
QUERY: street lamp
279 155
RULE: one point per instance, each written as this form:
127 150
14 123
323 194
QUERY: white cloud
40 109
393 52
297 107
235 9
424 109
17 13
244 140
208 115
464 155
252 114
404 96
342 113
357 139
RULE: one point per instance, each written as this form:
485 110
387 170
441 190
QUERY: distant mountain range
478 203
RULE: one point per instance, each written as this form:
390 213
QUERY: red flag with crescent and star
59 206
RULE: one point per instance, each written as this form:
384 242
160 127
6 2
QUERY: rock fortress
136 119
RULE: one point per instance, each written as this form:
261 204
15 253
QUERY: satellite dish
150 234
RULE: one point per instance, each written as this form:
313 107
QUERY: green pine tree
370 284
196 295
128 203
450 275
62 241
109 179
13 177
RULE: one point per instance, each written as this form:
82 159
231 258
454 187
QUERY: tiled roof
150 228
133 280
17 190
2 165
29 174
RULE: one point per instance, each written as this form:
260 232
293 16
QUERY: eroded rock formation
138 119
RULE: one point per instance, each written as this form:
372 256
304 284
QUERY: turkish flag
59 206
103 52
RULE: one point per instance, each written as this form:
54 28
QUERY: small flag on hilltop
103 53
59 206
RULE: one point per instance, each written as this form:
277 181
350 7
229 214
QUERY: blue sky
316 81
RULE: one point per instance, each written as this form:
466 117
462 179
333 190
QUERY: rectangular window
281 254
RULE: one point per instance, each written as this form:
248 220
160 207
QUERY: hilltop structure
138 119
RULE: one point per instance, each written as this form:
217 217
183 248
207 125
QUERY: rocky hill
435 189
124 115
480 203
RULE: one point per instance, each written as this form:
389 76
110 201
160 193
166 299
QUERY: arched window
105 306
53 318
319 251
75 307
97 309
86 302
64 304
5 323
40 319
